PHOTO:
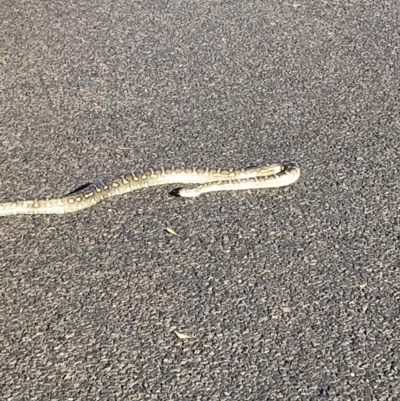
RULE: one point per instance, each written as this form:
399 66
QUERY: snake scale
271 175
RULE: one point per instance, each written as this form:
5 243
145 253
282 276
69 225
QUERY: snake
200 179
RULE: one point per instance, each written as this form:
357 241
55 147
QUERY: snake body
271 175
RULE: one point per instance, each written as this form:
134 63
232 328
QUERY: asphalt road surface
290 293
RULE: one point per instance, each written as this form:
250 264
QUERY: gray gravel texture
288 294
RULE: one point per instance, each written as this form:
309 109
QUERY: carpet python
271 175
